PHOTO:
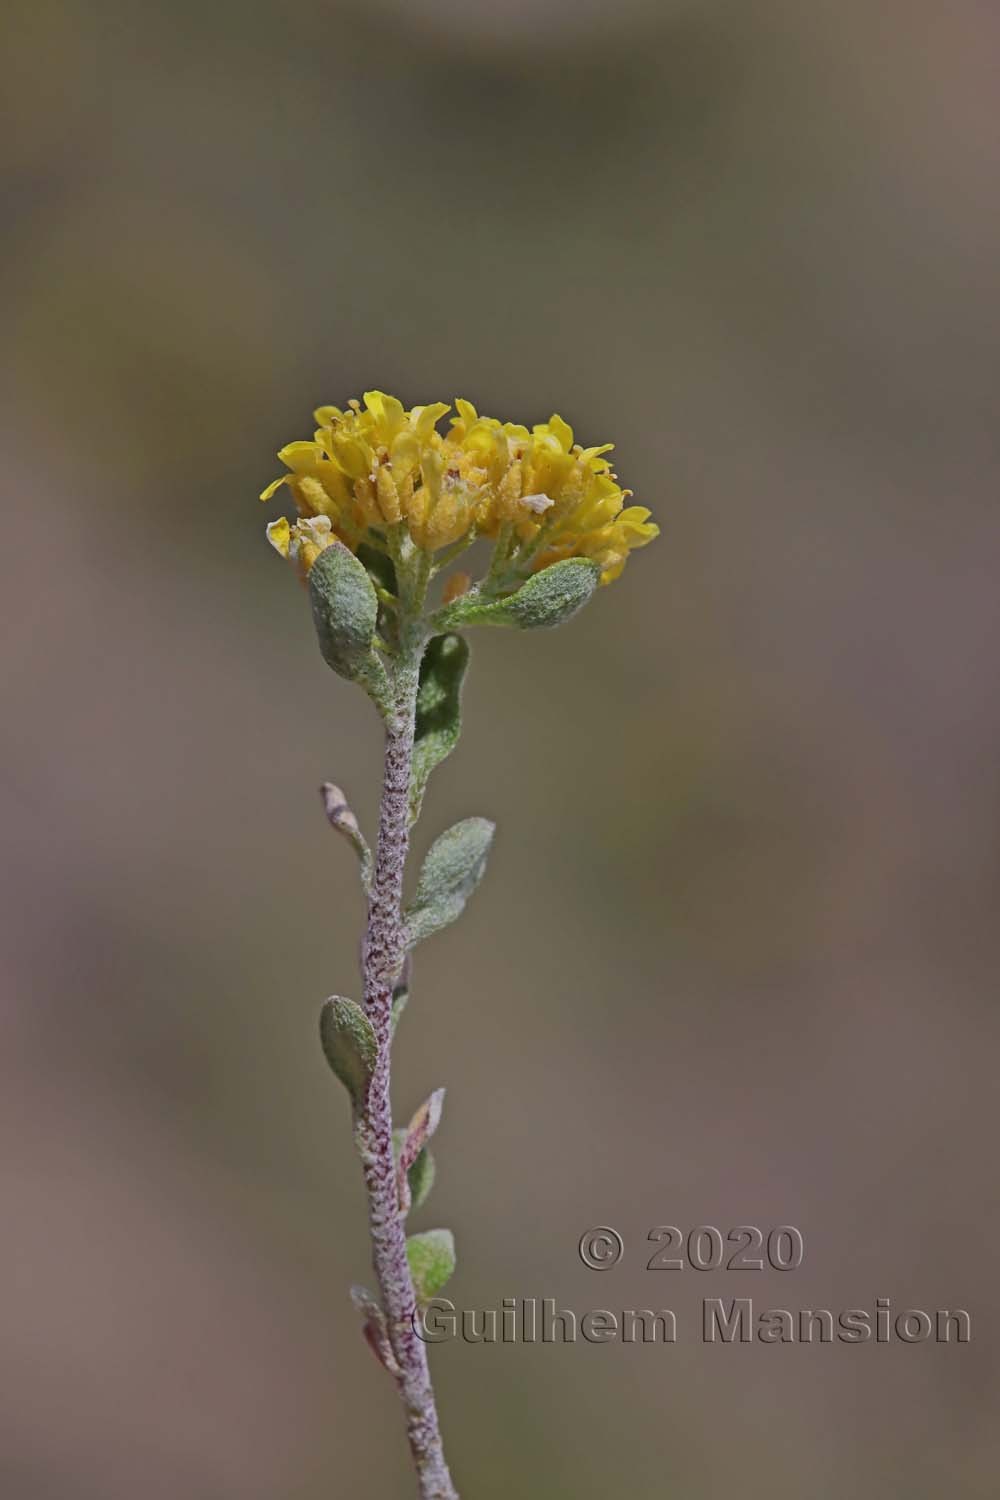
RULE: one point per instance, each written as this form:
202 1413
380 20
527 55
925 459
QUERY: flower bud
388 495
509 492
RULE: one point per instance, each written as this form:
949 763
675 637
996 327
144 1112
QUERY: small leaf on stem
432 1260
412 1147
546 599
420 1179
439 710
349 1044
453 868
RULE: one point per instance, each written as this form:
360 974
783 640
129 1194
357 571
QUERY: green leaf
432 1260
414 1164
547 598
349 1044
345 607
439 710
420 1178
345 613
453 868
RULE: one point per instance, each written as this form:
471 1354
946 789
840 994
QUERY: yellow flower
375 469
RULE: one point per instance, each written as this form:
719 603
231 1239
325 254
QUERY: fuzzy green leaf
345 613
453 868
345 607
349 1044
439 710
547 598
432 1260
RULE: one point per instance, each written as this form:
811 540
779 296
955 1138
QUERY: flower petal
279 534
274 487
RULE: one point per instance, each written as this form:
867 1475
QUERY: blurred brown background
735 958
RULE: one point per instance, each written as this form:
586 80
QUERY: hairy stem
383 956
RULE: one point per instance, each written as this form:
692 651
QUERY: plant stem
383 956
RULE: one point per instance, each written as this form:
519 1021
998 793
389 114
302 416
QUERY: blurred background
735 958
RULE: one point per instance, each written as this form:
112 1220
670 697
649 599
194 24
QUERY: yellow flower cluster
375 466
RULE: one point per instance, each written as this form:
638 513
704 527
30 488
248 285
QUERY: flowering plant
384 504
